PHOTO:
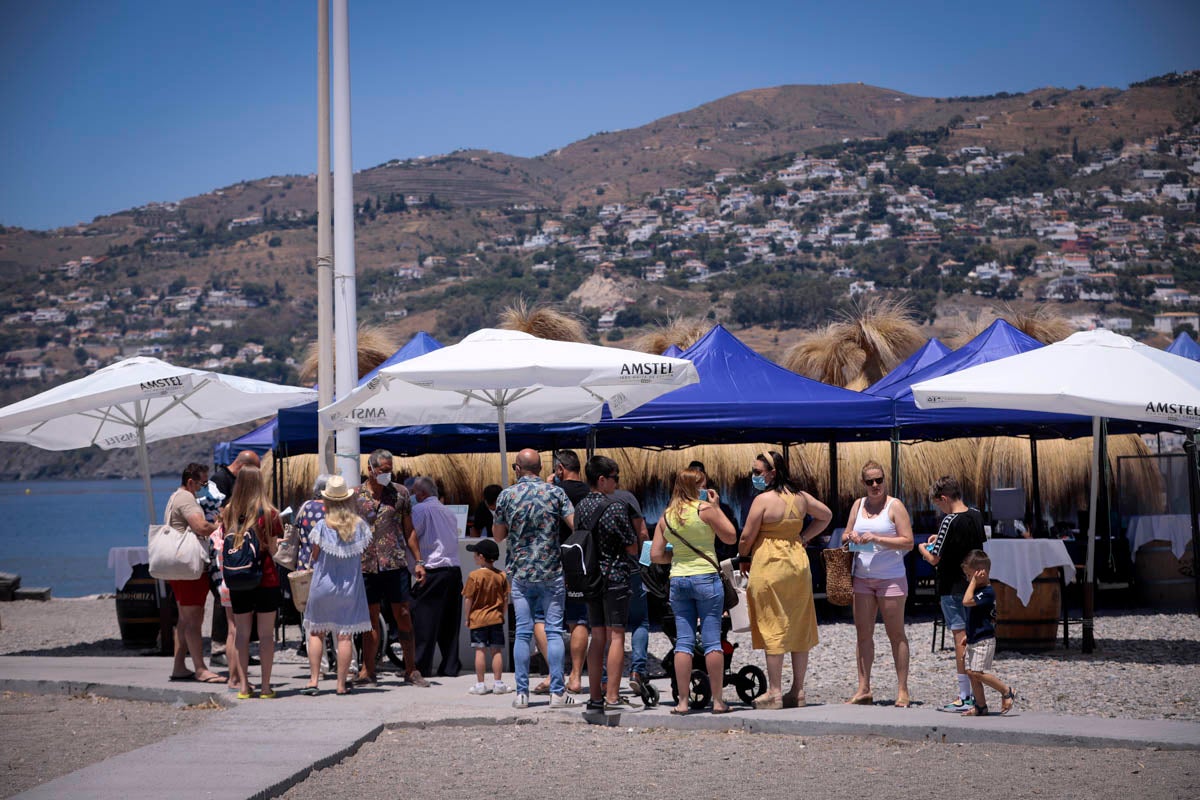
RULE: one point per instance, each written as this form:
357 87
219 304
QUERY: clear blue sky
108 105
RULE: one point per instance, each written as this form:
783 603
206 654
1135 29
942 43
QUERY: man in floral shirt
527 514
384 506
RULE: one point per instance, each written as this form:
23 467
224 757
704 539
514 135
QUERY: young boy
961 532
980 602
485 598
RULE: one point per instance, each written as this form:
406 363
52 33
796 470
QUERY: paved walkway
279 742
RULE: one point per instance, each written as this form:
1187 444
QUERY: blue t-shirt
981 617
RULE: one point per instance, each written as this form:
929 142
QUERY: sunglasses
873 481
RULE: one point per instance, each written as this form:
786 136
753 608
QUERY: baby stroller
749 682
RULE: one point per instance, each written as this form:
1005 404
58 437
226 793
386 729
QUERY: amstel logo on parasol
1172 411
169 385
645 371
119 439
366 413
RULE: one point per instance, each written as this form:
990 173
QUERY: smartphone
704 494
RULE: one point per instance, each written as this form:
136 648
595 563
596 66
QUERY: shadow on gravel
100 647
1126 651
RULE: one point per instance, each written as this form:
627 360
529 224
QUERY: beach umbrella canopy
1093 373
141 400
1184 345
499 376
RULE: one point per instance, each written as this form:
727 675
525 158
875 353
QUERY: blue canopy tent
931 351
673 351
1184 345
743 397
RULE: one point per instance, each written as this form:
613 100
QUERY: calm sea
58 533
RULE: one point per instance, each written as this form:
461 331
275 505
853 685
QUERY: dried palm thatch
964 328
375 345
683 332
1064 472
542 322
861 349
1041 323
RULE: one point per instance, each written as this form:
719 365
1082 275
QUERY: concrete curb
147 694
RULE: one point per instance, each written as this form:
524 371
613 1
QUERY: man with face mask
385 507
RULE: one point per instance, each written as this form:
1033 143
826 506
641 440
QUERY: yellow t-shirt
684 560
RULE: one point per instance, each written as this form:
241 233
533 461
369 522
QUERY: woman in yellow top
779 594
689 524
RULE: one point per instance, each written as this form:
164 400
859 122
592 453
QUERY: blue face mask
759 481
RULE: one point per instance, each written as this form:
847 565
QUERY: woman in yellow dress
780 597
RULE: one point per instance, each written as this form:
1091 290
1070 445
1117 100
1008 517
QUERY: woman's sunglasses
873 481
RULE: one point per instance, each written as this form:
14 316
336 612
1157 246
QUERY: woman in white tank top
880 533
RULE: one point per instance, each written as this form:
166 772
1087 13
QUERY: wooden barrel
1164 581
1034 626
137 609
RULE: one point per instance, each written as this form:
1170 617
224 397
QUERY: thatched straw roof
542 322
375 345
683 332
1038 322
861 349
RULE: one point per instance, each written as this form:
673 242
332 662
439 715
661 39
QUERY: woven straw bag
839 586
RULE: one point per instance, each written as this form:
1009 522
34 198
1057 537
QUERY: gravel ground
1146 665
45 736
615 763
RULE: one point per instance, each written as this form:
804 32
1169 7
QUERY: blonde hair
249 497
342 516
685 492
870 465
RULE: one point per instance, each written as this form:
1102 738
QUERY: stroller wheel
649 695
750 684
699 692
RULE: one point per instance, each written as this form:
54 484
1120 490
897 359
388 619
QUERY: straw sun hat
336 489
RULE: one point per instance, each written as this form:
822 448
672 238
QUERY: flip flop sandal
680 712
267 695
246 695
310 691
541 688
213 679
191 676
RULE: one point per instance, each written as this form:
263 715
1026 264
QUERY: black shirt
981 617
614 533
575 491
960 533
223 479
483 519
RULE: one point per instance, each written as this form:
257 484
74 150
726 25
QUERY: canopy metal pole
835 495
325 377
144 466
1190 446
1036 528
503 446
591 444
897 484
1089 585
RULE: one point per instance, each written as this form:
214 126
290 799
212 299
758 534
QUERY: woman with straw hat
337 600
783 618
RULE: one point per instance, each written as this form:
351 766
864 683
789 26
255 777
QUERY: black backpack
580 555
241 567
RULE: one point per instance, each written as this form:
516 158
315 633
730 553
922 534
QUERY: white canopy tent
1093 373
141 400
500 376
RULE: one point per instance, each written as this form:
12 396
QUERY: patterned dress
312 512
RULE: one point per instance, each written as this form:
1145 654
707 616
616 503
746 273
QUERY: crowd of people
359 544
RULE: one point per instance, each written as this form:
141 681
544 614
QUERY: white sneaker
521 700
561 700
479 688
500 687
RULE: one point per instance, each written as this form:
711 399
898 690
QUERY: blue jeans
699 597
543 600
639 624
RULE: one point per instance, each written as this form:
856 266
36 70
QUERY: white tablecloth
122 560
1173 528
1017 562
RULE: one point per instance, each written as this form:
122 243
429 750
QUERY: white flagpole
324 242
345 313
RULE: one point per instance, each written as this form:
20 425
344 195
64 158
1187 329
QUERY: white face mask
383 478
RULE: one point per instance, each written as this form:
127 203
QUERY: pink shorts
882 587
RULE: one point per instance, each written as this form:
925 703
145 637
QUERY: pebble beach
1146 665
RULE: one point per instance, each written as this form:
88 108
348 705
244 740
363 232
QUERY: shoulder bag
287 552
731 594
176 555
839 585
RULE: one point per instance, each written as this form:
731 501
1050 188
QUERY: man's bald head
529 460
246 458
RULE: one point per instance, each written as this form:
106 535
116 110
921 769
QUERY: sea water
58 533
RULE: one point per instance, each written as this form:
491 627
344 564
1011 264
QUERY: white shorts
980 655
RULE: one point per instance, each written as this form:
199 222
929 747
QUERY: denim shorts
611 609
697 597
954 612
391 586
575 612
488 636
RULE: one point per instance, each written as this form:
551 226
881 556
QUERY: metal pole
897 484
324 242
1036 528
345 285
835 495
144 465
1089 584
1193 500
503 446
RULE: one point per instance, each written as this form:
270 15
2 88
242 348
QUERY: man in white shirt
437 595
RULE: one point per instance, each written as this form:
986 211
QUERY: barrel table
141 601
1028 575
1163 562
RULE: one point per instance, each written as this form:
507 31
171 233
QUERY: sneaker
500 687
561 700
959 705
595 707
623 704
521 700
218 660
479 688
